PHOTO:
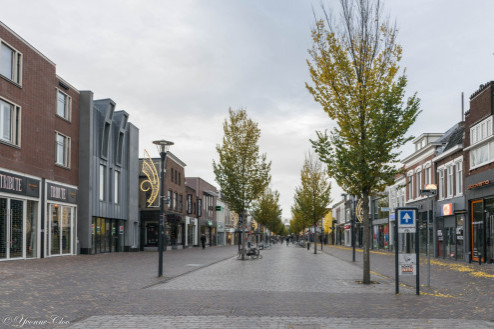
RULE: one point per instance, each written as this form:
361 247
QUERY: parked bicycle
251 252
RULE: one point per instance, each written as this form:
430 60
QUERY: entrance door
477 231
60 225
490 238
11 228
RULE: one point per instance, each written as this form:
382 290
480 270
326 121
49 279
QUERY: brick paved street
289 288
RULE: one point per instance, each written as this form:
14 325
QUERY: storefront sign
189 204
347 226
61 193
447 209
121 229
477 185
199 207
17 184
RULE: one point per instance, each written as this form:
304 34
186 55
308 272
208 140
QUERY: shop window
31 229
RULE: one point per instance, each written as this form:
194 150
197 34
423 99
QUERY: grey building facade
108 171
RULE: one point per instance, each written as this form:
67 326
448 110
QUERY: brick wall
37 98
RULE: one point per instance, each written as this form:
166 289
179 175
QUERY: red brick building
479 171
39 138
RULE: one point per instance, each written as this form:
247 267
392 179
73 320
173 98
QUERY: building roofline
27 43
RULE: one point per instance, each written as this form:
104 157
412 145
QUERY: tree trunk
242 227
315 241
366 236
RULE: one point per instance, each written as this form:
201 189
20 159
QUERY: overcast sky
177 67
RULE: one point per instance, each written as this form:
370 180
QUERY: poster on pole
407 264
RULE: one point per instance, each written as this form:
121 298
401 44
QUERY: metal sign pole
417 252
428 246
397 279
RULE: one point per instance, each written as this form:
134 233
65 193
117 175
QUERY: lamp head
163 145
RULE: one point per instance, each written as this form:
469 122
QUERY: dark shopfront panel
107 235
450 239
482 229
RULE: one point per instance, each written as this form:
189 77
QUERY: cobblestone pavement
289 288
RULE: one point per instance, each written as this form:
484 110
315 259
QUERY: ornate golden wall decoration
153 179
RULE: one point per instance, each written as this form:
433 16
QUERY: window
179 179
481 131
180 203
62 150
64 105
449 182
481 155
102 179
10 123
170 204
441 183
116 186
106 140
459 178
175 203
410 187
418 184
10 63
427 176
120 148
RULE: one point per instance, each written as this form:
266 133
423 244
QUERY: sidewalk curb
168 279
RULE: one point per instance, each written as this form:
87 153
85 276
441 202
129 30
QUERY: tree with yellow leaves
357 80
312 196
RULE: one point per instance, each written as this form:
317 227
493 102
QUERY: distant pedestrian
203 241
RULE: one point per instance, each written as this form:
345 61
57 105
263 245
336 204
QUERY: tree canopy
242 172
358 82
312 196
267 211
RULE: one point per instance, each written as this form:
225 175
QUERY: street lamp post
353 223
430 191
163 147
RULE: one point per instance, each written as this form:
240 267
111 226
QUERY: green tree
267 211
241 171
357 80
312 197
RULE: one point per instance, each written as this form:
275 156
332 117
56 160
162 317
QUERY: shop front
61 233
380 234
450 228
482 229
191 232
348 235
107 235
207 228
19 216
479 231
